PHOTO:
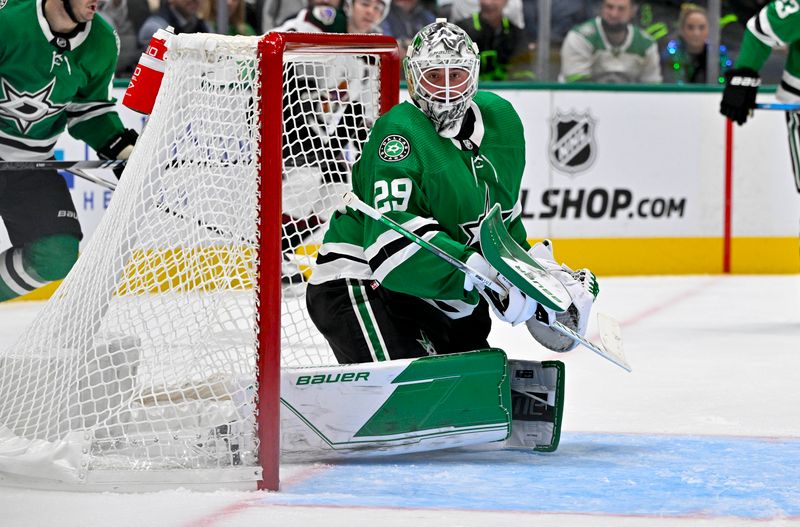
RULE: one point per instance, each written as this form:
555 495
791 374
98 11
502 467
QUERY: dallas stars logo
472 229
426 343
27 109
394 148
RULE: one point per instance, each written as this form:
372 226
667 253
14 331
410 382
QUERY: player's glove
739 96
515 307
119 147
582 287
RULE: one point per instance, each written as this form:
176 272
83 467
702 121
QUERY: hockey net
156 362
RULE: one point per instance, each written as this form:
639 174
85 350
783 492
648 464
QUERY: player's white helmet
441 69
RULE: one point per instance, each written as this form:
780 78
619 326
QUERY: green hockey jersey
777 24
49 82
438 188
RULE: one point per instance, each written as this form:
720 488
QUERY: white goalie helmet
441 69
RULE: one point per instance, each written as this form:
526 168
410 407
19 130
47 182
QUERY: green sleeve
753 53
94 99
776 24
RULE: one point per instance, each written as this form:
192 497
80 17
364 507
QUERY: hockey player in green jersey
435 165
57 62
776 24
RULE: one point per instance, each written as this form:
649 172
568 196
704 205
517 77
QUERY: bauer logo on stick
394 148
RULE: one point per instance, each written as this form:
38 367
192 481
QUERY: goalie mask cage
157 362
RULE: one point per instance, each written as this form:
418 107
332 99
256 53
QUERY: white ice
712 357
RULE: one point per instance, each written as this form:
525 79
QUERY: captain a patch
394 148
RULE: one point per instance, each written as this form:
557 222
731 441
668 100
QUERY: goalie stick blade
611 337
614 355
514 263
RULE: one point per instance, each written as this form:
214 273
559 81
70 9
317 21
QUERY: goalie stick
610 334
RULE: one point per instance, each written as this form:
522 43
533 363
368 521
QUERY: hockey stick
78 168
60 165
610 334
73 167
788 107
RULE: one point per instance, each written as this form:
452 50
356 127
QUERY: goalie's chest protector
455 182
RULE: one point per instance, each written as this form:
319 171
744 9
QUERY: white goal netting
144 361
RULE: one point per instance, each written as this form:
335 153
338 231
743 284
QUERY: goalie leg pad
537 404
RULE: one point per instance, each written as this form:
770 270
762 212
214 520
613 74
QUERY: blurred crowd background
598 41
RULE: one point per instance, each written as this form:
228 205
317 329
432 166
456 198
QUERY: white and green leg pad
396 406
537 404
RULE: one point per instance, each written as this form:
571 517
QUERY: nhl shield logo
572 144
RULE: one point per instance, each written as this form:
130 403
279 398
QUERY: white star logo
27 109
426 343
393 149
472 229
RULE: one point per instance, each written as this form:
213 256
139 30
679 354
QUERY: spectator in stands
461 9
503 46
564 15
127 17
405 19
684 59
365 16
324 16
182 15
276 12
610 49
236 21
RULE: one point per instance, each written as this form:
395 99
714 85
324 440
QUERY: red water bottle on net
146 79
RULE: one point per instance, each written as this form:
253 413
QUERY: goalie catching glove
516 307
582 287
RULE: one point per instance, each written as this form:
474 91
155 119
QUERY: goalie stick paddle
608 327
514 263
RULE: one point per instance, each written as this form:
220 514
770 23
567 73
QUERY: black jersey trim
332 257
791 89
93 108
24 146
394 247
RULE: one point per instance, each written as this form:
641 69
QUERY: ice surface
705 431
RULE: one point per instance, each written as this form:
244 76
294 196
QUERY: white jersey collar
74 42
476 137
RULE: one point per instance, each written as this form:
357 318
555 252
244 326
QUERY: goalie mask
441 69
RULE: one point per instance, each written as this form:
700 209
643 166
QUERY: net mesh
145 356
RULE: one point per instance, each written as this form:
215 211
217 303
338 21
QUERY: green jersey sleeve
91 115
777 24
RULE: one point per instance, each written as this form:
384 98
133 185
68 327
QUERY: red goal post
272 49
